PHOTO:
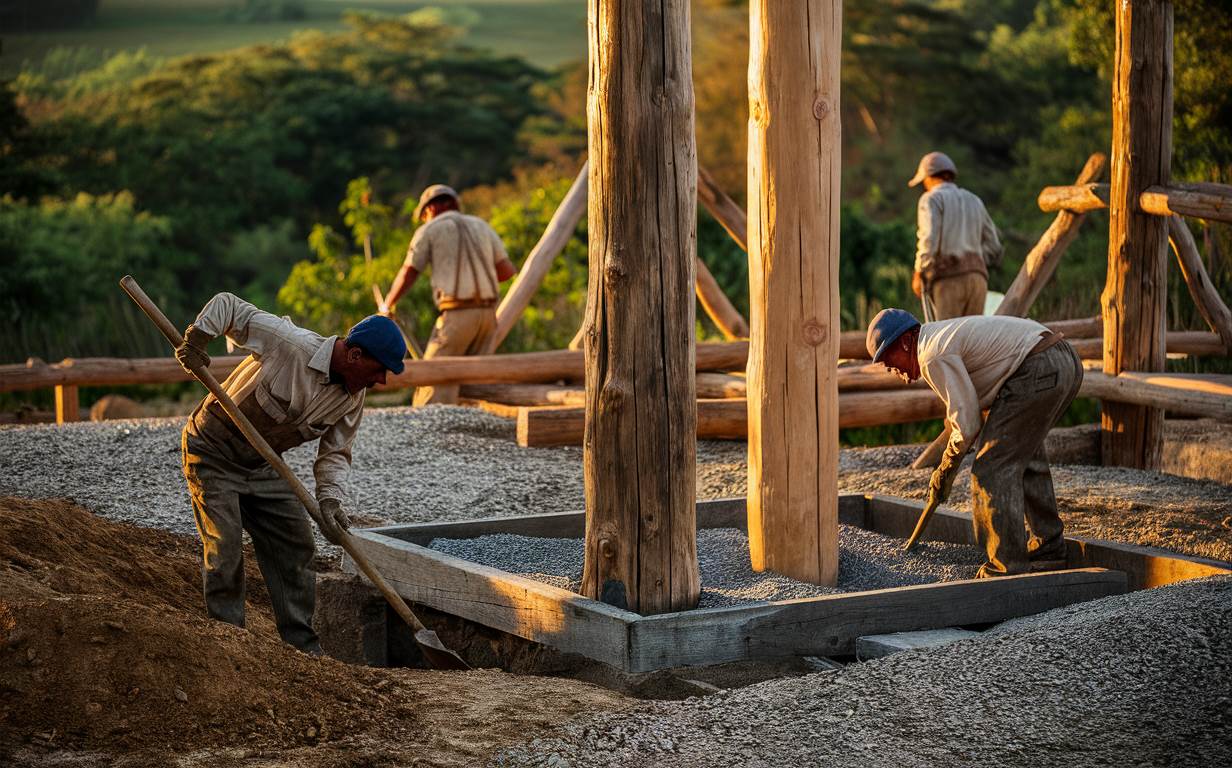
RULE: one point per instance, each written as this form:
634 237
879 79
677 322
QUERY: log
717 386
794 164
68 404
544 426
1135 295
555 237
722 208
1175 393
1077 198
1205 297
102 372
639 455
1201 200
525 394
538 367
714 301
1179 343
1041 262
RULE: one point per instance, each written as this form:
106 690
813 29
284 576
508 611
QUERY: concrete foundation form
821 626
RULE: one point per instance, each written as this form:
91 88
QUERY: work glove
191 352
334 520
941 483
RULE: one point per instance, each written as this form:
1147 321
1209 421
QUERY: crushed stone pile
1143 679
105 650
867 561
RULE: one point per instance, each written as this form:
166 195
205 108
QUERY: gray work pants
958 296
229 499
1011 487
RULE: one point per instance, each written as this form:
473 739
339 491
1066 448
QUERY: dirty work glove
335 520
191 352
940 484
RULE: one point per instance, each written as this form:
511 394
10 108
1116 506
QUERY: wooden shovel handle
211 383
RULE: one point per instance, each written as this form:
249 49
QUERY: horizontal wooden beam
1178 343
103 371
1199 200
1174 392
1076 198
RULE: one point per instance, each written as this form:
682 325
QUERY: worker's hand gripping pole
434 651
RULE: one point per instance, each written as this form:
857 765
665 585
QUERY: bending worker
295 386
956 243
1025 376
468 263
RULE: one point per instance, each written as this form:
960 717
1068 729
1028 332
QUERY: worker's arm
990 244
333 462
402 283
418 257
228 315
928 239
949 379
504 267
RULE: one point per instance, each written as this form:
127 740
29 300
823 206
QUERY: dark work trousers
229 499
1011 487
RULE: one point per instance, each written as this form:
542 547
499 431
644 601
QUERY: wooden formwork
812 626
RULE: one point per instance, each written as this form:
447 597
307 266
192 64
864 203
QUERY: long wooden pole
434 651
639 455
1136 291
793 194
1205 297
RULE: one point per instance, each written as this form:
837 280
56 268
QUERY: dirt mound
104 648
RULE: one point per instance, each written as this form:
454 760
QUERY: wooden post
793 172
1136 292
639 451
67 404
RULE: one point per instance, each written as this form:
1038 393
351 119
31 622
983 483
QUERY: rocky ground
105 657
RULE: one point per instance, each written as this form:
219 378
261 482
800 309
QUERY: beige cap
932 164
431 193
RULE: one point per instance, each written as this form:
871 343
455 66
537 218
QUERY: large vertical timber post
794 163
639 454
1136 291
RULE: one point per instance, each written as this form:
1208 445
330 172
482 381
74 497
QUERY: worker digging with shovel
294 387
1025 376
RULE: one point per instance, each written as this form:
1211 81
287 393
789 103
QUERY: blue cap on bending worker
379 337
885 329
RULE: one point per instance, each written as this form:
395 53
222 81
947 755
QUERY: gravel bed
448 463
867 561
1136 680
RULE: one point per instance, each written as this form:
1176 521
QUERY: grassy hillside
545 32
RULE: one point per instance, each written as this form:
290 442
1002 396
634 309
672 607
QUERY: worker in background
956 243
1025 376
468 264
295 386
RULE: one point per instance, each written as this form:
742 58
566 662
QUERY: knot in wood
613 396
607 549
821 108
815 333
758 113
613 273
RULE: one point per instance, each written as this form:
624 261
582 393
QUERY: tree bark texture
793 222
1201 200
639 451
1135 294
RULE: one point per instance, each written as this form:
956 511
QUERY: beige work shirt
463 252
965 361
287 376
955 235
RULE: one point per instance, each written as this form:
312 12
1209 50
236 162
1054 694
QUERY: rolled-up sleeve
333 462
419 253
928 230
253 329
948 378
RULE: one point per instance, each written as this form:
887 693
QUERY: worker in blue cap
295 386
1025 376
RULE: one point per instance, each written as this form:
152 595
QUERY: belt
446 304
1048 340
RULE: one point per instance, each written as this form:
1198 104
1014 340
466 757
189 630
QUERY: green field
545 32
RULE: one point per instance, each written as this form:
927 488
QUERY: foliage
62 261
251 11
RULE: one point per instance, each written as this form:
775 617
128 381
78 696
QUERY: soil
106 658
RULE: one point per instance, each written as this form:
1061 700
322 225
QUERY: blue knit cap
885 329
379 337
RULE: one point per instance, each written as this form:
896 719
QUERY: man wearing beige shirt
1025 376
956 243
294 386
468 263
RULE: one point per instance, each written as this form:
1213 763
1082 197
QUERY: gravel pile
867 561
449 463
1143 679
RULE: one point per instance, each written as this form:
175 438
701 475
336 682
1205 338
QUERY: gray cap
932 164
433 192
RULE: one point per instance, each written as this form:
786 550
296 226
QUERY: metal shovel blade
436 653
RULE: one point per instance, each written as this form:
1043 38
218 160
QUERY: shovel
433 649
